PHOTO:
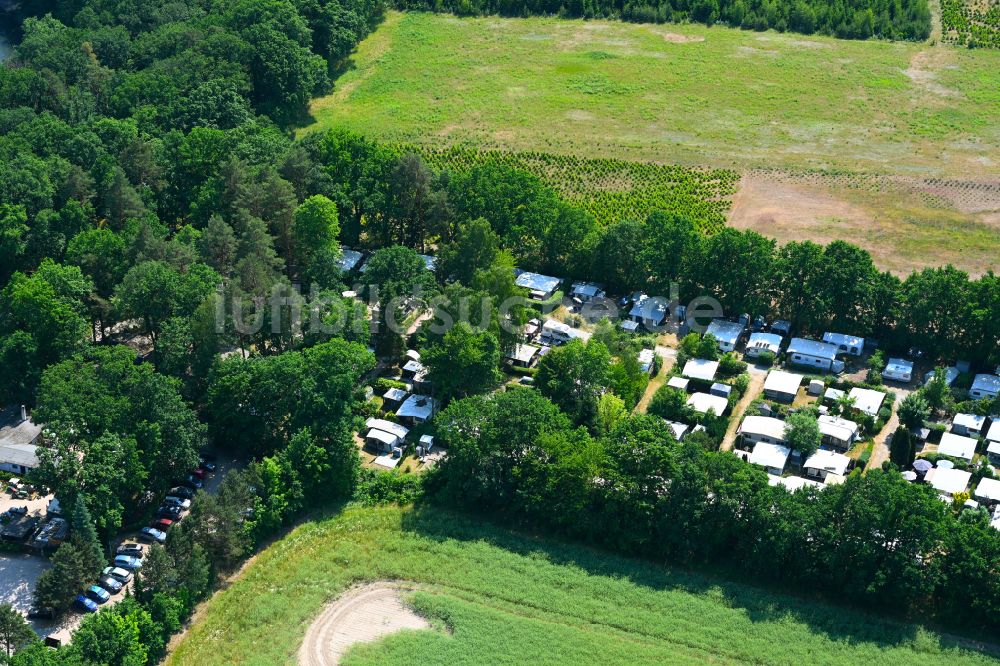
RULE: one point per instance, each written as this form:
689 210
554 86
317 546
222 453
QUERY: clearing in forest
904 137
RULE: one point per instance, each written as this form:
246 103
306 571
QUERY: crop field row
495 597
610 189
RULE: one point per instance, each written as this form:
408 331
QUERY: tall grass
509 599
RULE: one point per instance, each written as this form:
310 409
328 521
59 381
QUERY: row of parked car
129 556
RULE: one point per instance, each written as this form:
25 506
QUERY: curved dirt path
361 615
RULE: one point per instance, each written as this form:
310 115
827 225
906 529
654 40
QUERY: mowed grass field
919 122
681 94
499 598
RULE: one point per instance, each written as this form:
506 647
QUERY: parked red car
162 524
199 473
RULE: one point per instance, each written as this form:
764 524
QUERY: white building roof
988 490
395 394
387 426
948 481
678 382
652 310
646 358
867 400
792 483
702 402
388 461
537 283
14 431
993 448
770 455
971 422
349 259
763 425
812 348
898 368
586 289
830 461
957 446
419 407
25 455
386 438
950 375
629 325
554 326
782 382
993 434
839 428
986 384
844 340
833 394
699 368
725 331
524 353
679 429
413 366
764 342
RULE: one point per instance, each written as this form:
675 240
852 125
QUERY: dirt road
360 615
757 377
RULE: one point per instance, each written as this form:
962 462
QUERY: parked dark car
193 482
98 594
129 548
182 491
41 613
171 512
112 585
84 604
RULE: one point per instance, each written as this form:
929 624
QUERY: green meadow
496 597
680 94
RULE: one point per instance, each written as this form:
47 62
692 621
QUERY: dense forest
150 179
849 19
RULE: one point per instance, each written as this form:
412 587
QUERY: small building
586 291
756 429
557 333
837 432
772 457
523 356
812 354
823 463
349 260
867 400
680 383
721 390
679 429
705 402
384 435
532 329
426 444
898 370
993 453
702 369
412 368
727 333
993 434
417 409
968 425
647 358
816 387
948 481
988 491
782 327
430 263
782 386
19 439
760 343
845 344
649 311
540 287
985 386
393 398
951 373
629 326
792 483
956 446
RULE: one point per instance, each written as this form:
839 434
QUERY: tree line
876 541
848 19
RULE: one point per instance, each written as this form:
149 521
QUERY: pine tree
84 536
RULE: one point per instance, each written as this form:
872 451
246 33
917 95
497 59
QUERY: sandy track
361 615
